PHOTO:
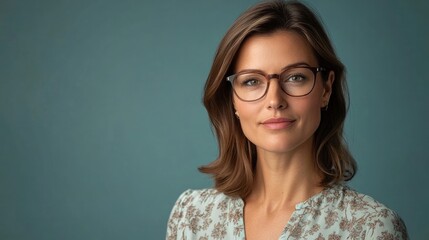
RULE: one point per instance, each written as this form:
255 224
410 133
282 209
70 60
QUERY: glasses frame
315 70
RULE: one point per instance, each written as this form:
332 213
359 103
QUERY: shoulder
368 214
204 198
201 196
204 213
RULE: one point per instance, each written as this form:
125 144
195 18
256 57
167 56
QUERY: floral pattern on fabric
335 213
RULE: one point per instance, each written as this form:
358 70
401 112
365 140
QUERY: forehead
274 51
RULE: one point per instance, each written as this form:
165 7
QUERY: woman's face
277 122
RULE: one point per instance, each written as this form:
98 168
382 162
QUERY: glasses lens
297 81
250 86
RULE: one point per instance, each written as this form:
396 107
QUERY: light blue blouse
336 213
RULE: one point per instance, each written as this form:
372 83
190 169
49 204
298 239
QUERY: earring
236 115
325 108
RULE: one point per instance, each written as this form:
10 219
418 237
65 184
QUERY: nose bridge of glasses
270 87
274 75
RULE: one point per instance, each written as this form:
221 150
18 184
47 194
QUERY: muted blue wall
102 126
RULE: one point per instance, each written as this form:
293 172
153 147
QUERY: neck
284 180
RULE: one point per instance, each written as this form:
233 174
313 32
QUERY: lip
277 123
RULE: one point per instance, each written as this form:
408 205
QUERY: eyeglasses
252 85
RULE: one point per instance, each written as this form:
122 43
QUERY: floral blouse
336 213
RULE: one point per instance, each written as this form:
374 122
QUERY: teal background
102 126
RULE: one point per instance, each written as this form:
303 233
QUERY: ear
233 105
327 89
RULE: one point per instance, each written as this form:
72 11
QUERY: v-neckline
294 217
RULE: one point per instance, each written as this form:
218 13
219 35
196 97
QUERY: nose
275 96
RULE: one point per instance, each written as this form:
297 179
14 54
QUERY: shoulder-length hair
233 170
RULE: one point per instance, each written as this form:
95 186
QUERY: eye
251 82
296 78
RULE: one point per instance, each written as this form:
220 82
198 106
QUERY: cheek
247 115
315 115
244 109
311 112
315 100
305 110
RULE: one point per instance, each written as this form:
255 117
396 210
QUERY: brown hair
234 167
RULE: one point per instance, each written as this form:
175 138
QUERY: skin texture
285 174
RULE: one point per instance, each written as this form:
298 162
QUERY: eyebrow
298 64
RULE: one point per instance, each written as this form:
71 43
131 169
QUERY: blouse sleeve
387 225
176 215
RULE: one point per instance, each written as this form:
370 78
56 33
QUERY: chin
283 149
280 146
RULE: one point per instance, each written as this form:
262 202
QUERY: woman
276 98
